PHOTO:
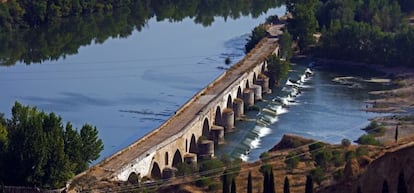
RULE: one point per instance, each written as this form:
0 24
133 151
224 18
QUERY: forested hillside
371 31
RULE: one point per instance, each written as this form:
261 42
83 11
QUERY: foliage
41 152
375 129
361 151
286 186
402 187
317 175
303 24
35 31
249 183
225 182
258 33
368 139
292 160
349 155
309 184
233 186
214 186
345 142
385 188
184 169
285 43
215 166
338 158
278 69
203 182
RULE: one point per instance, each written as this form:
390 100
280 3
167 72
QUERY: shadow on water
325 109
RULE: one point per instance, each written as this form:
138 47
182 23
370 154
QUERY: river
128 84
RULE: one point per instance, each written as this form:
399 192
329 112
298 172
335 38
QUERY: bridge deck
179 121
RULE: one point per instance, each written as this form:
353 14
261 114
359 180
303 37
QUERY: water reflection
64 38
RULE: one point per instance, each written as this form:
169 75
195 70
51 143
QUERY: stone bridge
195 129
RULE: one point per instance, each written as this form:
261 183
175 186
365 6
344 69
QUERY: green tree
272 182
286 186
266 185
309 184
402 187
91 144
73 145
258 33
225 182
277 69
233 186
249 183
385 188
292 160
285 42
303 24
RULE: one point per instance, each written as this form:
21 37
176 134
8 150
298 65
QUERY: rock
291 141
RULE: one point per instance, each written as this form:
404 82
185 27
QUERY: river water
126 87
129 86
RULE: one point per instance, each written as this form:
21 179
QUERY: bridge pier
248 98
205 149
168 173
190 158
228 120
257 92
238 108
263 81
217 134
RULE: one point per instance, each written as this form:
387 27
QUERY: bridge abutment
248 98
217 134
228 120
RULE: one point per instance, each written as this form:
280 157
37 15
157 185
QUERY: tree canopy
37 150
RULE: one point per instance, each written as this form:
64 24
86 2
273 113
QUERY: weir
196 128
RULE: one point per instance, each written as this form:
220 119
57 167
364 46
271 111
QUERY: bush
184 169
203 181
265 156
375 129
214 165
214 186
322 158
345 142
349 155
361 151
317 175
338 158
316 146
292 161
368 139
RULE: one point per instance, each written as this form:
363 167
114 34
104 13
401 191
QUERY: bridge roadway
186 114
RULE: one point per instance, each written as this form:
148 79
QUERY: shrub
316 146
215 166
322 158
368 139
214 186
361 151
203 181
265 156
292 161
184 169
338 158
317 175
345 142
349 155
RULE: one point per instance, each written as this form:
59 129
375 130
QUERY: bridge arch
239 93
133 178
178 159
156 171
206 128
166 158
247 84
217 117
193 145
254 77
229 102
